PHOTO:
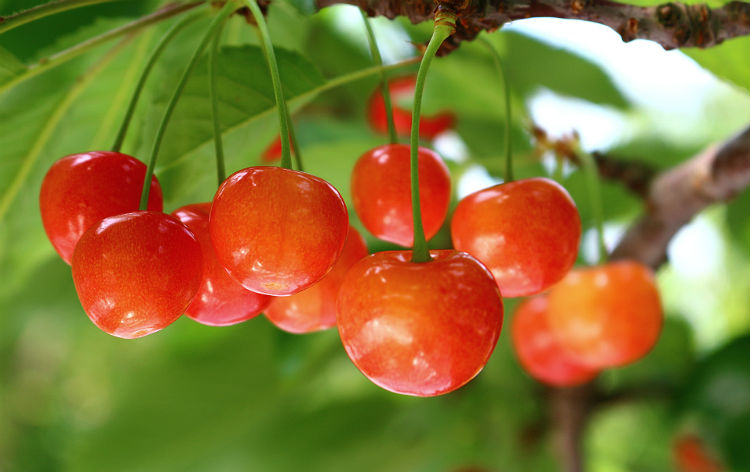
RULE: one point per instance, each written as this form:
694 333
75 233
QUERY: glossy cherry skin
137 272
421 329
538 350
277 231
314 308
526 232
607 316
381 192
220 300
81 189
403 88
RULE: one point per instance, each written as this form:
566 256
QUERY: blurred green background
251 397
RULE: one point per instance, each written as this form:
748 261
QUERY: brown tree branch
678 194
673 25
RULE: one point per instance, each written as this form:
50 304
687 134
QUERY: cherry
136 273
403 89
81 189
277 231
539 352
692 455
608 315
526 232
220 300
420 329
381 192
314 309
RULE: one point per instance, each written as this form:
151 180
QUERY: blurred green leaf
10 66
728 61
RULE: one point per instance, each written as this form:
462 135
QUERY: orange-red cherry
220 300
381 192
81 189
539 351
607 316
526 232
314 309
137 272
420 329
277 231
403 89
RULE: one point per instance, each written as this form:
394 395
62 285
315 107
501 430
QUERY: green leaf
728 61
10 66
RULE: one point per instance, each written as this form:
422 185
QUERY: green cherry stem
217 21
221 172
295 144
595 199
375 52
273 68
445 23
163 42
506 91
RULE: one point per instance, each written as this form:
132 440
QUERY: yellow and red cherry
220 300
277 231
539 351
526 232
607 316
381 192
81 189
137 272
314 309
421 329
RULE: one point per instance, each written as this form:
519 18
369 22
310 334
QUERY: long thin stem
165 40
42 140
273 68
221 172
217 21
15 20
444 26
66 55
595 200
506 92
392 136
295 144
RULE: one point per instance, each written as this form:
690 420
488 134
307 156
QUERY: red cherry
420 329
539 352
692 455
381 192
403 89
526 232
277 231
220 300
607 316
81 189
314 309
136 273
273 151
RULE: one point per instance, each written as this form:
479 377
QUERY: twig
672 25
677 195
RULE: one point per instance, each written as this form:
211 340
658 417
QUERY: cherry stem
445 25
273 68
375 52
295 144
216 23
163 42
72 52
508 117
595 199
42 11
221 172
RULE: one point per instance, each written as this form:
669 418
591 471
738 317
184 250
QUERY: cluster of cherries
278 241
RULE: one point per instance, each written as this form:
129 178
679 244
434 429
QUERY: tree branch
677 195
673 25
